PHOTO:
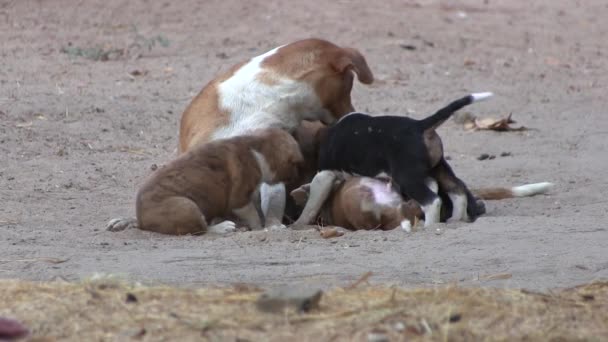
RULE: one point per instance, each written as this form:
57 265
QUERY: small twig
51 260
361 280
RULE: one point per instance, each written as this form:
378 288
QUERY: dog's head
309 136
282 154
328 68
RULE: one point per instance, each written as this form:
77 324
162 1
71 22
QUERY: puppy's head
282 154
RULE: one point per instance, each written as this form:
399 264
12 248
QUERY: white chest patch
267 174
383 193
255 105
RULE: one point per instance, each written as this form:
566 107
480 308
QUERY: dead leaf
492 124
328 233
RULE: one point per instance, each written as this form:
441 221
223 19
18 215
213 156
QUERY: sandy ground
78 136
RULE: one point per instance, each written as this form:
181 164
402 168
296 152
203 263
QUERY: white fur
459 207
223 227
406 225
253 105
432 212
431 183
273 203
119 224
320 189
531 189
267 174
481 96
383 195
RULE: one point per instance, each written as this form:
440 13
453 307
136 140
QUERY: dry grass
99 310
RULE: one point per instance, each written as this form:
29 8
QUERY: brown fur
346 209
323 65
212 180
204 116
493 193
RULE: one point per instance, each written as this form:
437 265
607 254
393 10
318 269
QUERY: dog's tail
526 190
433 121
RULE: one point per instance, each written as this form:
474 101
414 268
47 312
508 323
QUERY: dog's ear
352 59
300 195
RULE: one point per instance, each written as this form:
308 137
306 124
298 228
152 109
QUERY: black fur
369 145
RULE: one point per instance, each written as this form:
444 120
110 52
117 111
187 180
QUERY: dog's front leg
273 204
249 215
320 188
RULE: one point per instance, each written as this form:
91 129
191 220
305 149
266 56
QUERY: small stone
455 318
153 167
131 298
302 299
399 326
483 156
377 336
407 47
505 154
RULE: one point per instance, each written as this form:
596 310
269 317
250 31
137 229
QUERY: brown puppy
363 203
370 203
216 180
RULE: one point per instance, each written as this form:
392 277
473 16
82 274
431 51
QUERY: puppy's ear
352 59
300 195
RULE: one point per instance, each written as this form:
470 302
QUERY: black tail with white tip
433 121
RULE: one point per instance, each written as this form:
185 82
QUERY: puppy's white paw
275 227
406 225
120 224
223 227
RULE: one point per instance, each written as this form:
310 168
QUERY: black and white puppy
408 151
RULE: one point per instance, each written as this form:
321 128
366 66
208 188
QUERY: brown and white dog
216 180
309 79
355 202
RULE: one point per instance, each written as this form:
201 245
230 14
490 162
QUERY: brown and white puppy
216 180
310 79
370 203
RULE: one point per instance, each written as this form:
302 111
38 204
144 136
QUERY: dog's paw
120 224
223 227
406 225
279 226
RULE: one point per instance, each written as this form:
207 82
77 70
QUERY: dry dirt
77 136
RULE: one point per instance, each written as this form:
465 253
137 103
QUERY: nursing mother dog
309 79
